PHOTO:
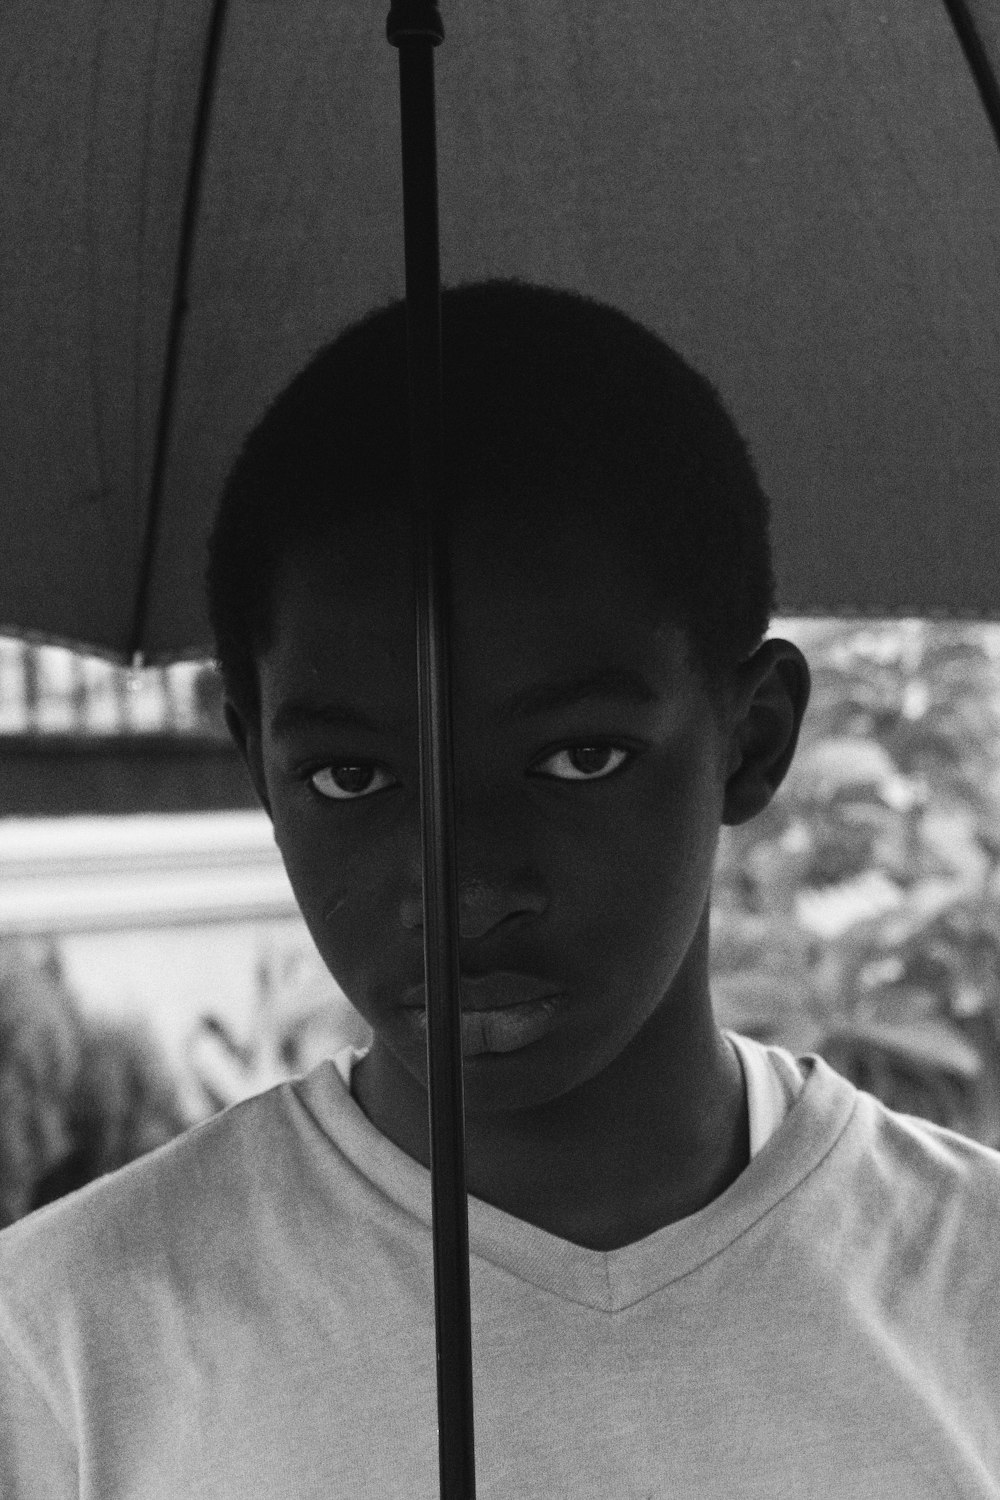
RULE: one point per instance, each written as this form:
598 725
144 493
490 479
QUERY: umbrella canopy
803 198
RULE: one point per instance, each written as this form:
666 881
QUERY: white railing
94 874
51 690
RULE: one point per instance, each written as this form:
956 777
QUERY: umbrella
803 199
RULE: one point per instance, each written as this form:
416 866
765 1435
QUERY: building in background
83 735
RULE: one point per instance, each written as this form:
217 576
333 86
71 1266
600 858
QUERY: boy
700 1266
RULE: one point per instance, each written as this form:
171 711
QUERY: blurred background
154 968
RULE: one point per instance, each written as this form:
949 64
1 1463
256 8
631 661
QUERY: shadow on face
593 768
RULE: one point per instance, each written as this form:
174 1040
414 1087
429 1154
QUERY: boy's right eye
349 781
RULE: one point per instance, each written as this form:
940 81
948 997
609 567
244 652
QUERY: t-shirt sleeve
37 1459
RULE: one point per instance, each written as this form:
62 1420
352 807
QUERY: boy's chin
505 1082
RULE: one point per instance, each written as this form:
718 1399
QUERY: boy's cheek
353 913
351 938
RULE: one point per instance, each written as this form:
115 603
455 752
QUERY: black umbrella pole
414 27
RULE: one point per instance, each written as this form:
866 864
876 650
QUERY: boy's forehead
547 540
529 603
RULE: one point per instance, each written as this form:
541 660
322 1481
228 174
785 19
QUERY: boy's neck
657 1136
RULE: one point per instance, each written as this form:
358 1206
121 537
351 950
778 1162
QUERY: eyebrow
617 684
620 684
334 713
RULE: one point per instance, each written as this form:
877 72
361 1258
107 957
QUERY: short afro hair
539 385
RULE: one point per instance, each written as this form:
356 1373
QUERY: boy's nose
498 877
483 904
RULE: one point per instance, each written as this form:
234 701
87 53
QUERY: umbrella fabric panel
301 233
804 198
96 102
806 223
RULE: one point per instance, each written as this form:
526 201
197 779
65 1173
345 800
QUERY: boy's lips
501 1012
497 991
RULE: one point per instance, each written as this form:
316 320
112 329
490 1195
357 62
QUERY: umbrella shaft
415 29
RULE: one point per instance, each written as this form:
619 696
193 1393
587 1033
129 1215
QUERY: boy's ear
247 741
770 698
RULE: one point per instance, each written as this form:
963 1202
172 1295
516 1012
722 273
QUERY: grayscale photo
499 750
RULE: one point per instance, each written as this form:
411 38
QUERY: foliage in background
300 1016
40 1034
859 917
78 1097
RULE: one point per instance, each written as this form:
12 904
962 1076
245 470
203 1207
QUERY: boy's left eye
348 782
585 762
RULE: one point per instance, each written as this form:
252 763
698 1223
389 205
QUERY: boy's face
586 822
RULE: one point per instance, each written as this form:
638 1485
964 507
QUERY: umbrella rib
178 313
978 60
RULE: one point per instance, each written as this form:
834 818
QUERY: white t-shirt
247 1314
